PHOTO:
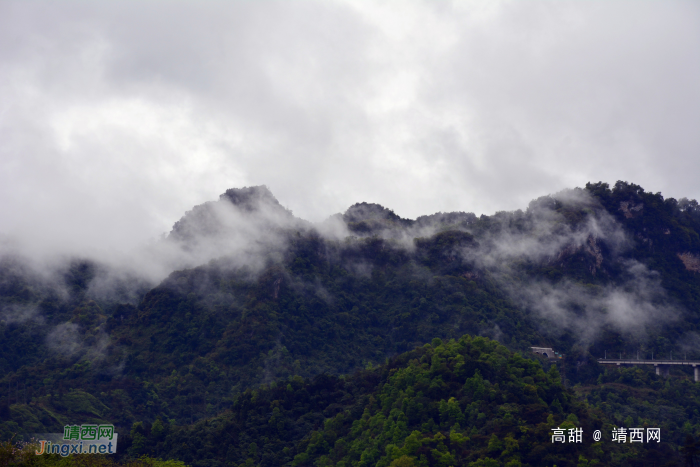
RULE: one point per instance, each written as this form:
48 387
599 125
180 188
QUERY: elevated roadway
662 366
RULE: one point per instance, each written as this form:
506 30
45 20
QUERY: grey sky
116 117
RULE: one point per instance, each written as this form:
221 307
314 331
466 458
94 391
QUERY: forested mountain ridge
272 296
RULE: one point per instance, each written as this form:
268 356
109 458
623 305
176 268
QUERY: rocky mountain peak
252 198
216 218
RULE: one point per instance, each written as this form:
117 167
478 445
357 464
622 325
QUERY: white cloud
117 117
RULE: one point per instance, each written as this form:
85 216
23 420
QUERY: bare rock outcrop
593 249
629 209
690 261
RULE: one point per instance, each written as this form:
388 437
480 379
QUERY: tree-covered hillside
464 402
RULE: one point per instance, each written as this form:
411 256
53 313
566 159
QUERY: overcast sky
117 117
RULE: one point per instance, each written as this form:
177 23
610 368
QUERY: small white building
546 352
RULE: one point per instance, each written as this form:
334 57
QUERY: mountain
260 300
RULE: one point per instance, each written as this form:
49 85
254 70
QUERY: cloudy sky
117 117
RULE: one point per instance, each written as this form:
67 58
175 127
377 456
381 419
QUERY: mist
116 118
635 305
637 309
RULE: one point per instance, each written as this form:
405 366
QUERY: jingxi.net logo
79 439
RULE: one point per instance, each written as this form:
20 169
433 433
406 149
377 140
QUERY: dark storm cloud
116 117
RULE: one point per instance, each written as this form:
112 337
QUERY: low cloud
20 314
68 340
248 228
65 340
635 304
541 234
245 227
635 308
